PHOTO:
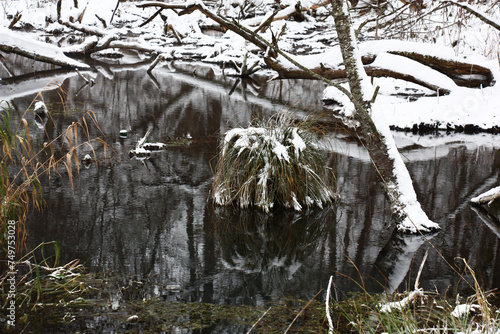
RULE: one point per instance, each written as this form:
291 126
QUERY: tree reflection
274 245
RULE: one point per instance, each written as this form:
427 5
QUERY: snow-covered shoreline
462 109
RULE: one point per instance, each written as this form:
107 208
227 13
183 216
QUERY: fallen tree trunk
429 82
13 42
462 73
480 15
377 137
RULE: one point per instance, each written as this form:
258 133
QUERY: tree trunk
375 146
380 146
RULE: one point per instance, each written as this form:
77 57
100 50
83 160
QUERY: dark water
153 219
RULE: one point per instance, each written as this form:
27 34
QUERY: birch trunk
377 137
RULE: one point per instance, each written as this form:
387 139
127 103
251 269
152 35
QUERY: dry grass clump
279 162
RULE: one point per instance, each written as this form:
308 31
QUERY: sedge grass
279 162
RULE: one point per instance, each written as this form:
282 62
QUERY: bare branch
477 13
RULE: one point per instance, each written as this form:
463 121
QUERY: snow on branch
412 296
400 67
431 66
488 197
477 13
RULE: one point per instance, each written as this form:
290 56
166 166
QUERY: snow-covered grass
413 313
416 311
276 163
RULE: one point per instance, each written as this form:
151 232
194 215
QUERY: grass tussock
279 162
25 158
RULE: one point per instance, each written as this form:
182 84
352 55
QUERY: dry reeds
24 161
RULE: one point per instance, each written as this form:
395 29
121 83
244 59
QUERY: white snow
416 219
389 307
297 142
464 309
413 68
384 46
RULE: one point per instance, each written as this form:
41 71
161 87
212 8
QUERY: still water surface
154 219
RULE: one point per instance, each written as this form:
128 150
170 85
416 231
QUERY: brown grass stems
24 161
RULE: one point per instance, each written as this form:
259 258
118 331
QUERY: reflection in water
154 219
395 260
272 248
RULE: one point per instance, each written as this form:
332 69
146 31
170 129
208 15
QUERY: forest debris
144 148
412 296
464 309
11 41
139 147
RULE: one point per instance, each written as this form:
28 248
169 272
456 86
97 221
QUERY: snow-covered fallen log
143 148
399 67
488 197
14 42
429 65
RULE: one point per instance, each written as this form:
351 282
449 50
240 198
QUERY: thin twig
417 281
327 306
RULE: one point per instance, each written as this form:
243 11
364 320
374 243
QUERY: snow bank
463 106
